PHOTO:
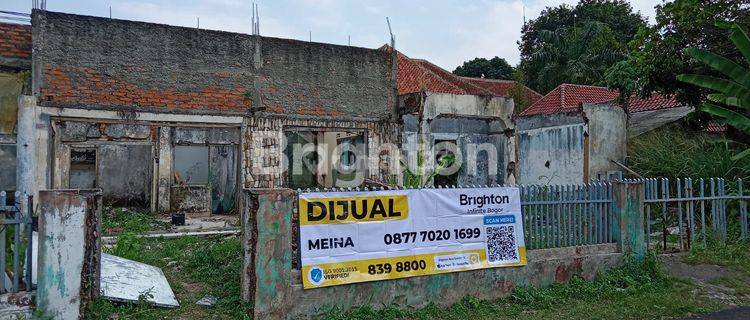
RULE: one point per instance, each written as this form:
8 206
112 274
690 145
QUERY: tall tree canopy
495 68
658 52
577 44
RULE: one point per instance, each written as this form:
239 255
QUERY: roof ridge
585 85
450 74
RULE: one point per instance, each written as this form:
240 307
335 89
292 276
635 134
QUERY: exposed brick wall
15 47
92 62
15 41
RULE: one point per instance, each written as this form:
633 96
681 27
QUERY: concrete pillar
25 146
32 149
69 254
164 169
267 260
628 227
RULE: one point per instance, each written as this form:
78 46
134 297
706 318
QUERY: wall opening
320 158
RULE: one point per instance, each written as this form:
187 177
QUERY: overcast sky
444 32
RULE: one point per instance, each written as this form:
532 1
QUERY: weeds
194 267
123 220
673 152
714 251
635 290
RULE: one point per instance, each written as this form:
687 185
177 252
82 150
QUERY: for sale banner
349 237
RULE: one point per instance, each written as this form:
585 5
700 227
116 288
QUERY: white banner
348 237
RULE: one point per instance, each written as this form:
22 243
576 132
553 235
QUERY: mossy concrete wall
270 281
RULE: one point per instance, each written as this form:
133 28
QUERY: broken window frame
320 177
177 170
210 147
72 164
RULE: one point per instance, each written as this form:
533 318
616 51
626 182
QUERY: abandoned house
441 110
577 133
173 118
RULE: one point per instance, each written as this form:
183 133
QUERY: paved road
729 314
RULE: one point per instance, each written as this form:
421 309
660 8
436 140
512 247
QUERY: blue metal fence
567 215
16 228
682 210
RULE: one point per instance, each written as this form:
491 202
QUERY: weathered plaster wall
92 62
69 252
470 120
270 281
607 128
551 149
565 148
263 146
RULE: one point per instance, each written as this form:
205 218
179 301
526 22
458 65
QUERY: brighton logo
316 275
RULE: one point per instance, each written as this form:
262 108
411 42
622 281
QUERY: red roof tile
656 101
15 41
502 87
416 75
566 97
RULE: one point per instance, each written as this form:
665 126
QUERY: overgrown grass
674 152
121 220
194 267
732 254
633 291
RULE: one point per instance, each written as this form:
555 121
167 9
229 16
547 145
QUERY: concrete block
69 252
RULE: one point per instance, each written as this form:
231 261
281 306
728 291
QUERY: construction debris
126 280
207 300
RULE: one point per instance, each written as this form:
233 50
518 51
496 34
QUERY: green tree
732 92
657 53
495 68
610 23
519 92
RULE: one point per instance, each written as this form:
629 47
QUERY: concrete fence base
275 287
69 252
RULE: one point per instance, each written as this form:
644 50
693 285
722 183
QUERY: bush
674 152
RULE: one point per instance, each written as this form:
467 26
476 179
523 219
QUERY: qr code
501 244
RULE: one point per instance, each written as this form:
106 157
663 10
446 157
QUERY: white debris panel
126 280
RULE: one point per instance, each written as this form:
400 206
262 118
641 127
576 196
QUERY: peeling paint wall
467 120
552 155
263 146
607 128
134 163
565 148
69 252
270 281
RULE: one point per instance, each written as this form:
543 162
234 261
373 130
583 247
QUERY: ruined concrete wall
93 62
551 149
263 146
607 128
470 135
270 281
469 120
133 163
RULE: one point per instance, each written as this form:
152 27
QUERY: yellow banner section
353 209
331 274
